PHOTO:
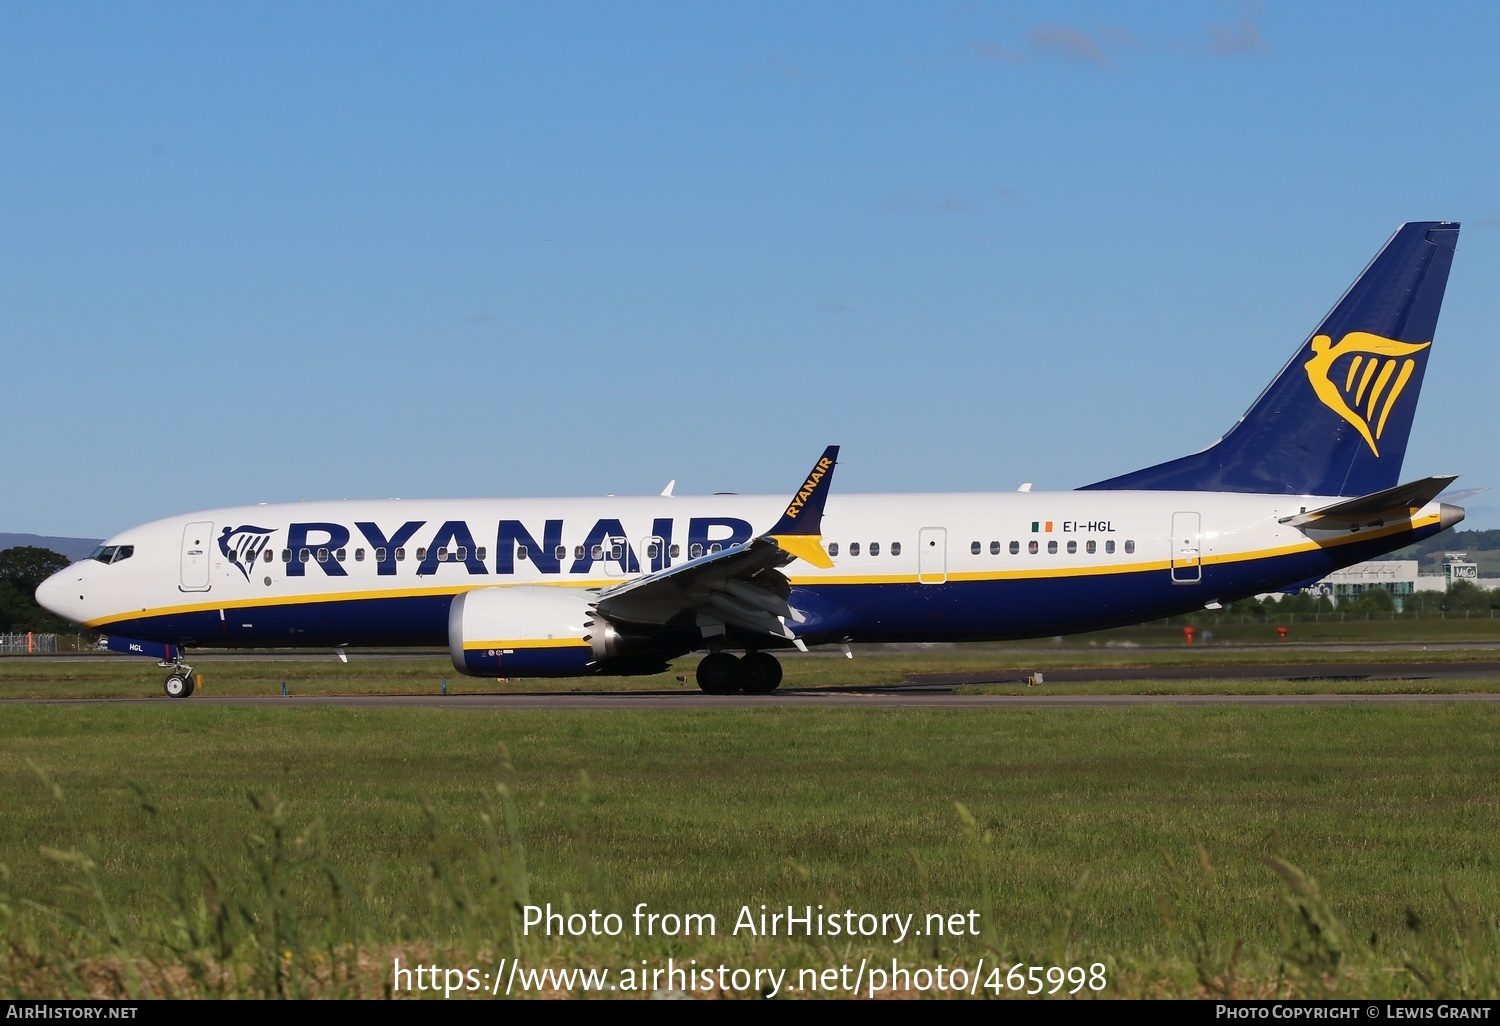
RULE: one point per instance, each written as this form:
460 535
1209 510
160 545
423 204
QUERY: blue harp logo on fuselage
242 546
1375 376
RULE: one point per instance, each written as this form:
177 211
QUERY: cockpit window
124 552
112 553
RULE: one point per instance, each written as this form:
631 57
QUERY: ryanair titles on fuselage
313 547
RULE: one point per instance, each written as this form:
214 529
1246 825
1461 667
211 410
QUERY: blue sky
268 252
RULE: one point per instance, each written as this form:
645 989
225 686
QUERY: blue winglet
800 529
804 514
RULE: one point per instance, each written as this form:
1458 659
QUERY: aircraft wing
740 586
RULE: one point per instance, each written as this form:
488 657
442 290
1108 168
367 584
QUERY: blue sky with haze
268 252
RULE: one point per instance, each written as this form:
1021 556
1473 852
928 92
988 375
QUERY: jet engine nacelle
521 632
543 632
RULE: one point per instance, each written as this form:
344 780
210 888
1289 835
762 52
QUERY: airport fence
27 643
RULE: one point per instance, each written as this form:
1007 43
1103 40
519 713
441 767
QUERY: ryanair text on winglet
809 487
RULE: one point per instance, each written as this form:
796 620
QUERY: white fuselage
905 567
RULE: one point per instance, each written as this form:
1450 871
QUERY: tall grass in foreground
280 923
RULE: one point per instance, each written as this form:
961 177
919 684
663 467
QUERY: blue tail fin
1336 419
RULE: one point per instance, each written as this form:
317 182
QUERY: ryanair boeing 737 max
1305 483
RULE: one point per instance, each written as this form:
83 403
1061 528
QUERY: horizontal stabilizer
1461 495
1399 502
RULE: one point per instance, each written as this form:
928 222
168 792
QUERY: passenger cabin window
380 555
577 551
560 553
597 552
462 554
854 548
833 548
1052 548
1031 547
1129 547
422 552
401 555
322 555
716 547
994 548
1109 547
1015 548
286 555
895 548
479 555
617 551
359 555
874 548
1090 545
1072 547
675 551
442 554
653 551
305 555
974 547
270 555
340 555
521 552
695 550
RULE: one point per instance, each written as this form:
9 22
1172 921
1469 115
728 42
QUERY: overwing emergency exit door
932 555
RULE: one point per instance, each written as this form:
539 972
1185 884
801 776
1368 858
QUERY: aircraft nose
57 595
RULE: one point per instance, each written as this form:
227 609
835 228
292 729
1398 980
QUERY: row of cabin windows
1033 547
617 551
874 548
461 553
323 555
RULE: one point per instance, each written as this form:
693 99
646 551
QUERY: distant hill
1483 547
73 548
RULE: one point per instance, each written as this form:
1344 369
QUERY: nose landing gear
179 683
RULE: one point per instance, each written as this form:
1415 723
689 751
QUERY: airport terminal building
1400 577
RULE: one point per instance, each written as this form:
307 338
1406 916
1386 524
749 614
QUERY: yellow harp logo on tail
1376 375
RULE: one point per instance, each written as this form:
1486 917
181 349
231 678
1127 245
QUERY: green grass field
1146 839
108 676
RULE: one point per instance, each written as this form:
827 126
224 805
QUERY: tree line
1430 550
1463 598
22 568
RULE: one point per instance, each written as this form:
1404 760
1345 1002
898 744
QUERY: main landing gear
720 673
179 683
